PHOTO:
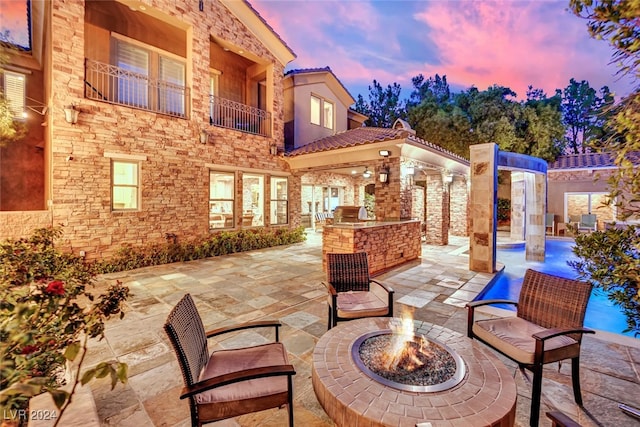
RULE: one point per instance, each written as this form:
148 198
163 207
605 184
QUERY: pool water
601 313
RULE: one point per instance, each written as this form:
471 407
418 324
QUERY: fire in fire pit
398 358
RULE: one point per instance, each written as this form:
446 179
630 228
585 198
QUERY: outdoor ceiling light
384 153
367 173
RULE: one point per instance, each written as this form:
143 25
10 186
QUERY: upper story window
125 185
321 112
14 93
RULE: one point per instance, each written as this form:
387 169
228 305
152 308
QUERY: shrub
223 243
47 316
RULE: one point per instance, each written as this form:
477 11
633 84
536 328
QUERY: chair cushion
226 361
513 337
354 304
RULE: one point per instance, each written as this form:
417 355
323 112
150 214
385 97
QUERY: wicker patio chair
352 293
227 383
548 328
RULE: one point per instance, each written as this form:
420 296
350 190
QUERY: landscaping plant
47 316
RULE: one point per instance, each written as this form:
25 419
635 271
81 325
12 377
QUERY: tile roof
366 135
590 161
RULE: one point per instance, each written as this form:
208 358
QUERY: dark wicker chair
352 293
227 383
548 328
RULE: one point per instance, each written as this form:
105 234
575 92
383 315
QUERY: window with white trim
252 200
315 110
14 93
327 116
221 199
578 204
321 112
125 185
279 202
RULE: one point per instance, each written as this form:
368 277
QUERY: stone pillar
483 207
459 201
517 205
437 211
536 206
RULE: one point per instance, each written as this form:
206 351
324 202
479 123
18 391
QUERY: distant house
577 185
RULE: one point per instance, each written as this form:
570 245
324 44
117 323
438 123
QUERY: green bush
223 243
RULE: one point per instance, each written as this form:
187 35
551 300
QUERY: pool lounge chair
550 222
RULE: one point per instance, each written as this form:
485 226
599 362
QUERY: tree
584 114
610 259
384 105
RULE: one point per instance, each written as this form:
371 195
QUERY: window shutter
14 92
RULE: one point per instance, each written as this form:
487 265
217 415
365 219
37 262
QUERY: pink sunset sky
513 43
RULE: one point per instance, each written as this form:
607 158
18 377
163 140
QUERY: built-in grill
349 214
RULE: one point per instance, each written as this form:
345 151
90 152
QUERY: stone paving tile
285 284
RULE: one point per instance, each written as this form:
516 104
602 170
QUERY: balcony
235 115
115 85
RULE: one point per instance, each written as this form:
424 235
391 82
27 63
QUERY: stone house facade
168 94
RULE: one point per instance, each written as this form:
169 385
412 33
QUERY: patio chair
549 222
548 328
588 222
352 293
227 383
560 419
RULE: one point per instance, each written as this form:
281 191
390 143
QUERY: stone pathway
285 283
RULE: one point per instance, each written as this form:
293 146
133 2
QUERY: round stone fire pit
485 395
424 366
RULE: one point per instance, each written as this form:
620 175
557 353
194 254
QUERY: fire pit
407 362
461 385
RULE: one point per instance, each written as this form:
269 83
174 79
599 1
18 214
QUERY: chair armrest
387 288
560 419
241 326
471 305
474 304
554 332
234 377
330 288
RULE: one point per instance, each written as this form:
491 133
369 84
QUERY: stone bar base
387 244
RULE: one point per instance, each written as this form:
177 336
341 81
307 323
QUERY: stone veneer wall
437 211
386 245
174 173
15 225
392 199
459 206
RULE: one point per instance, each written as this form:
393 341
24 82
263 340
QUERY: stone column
437 211
459 200
517 205
536 206
483 207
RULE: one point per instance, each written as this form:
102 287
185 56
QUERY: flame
405 346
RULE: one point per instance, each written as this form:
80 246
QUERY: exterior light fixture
383 176
273 149
204 137
367 173
411 170
71 114
447 179
384 153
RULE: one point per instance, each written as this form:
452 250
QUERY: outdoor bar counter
387 243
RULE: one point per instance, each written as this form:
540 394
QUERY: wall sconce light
411 170
447 179
367 173
384 153
204 137
383 176
71 114
273 149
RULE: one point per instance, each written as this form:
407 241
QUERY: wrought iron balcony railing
108 83
235 115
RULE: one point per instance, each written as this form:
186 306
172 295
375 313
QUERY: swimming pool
601 313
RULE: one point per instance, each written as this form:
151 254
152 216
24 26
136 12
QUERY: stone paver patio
285 283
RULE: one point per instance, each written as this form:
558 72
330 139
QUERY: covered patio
285 284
